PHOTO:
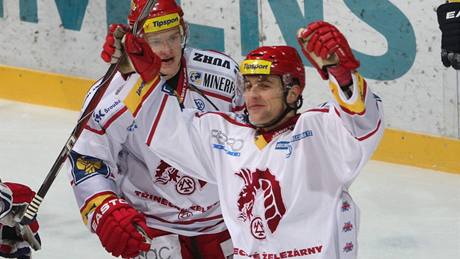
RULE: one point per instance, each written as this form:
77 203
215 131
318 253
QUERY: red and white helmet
283 61
165 14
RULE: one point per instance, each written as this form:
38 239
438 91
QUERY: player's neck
281 123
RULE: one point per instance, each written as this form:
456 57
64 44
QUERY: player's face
167 45
263 95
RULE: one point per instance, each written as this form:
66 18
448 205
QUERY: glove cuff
341 74
106 208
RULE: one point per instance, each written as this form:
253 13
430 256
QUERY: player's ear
293 94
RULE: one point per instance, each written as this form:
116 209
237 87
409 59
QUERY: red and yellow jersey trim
137 95
92 203
355 106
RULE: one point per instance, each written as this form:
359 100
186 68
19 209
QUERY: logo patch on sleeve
85 167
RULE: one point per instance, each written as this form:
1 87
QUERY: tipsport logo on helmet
255 67
162 23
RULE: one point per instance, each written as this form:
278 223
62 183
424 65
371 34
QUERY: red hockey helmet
283 61
165 14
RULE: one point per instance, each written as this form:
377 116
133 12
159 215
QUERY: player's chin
168 71
169 68
257 118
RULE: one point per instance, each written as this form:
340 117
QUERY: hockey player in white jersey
283 176
119 184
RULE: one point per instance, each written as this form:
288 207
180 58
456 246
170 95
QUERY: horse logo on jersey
166 173
273 202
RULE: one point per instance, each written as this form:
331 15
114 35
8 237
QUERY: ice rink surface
406 212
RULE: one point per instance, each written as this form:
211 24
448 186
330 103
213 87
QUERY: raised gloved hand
449 23
115 222
13 202
328 51
142 57
112 49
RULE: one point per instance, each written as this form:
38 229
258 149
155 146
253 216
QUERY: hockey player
14 198
283 177
121 187
449 23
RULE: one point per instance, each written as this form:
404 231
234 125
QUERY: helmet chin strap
287 108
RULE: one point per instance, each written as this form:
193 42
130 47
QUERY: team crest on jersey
165 174
265 183
84 167
199 104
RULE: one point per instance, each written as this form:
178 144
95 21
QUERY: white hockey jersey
283 193
111 155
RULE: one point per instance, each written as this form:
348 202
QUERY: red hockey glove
324 45
144 60
112 48
115 221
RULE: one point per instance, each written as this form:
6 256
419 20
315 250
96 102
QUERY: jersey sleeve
362 113
178 139
93 160
355 126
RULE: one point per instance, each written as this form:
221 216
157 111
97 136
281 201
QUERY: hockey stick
32 208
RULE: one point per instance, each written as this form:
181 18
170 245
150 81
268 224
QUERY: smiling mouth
167 60
255 106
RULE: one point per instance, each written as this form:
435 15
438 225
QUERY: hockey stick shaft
33 207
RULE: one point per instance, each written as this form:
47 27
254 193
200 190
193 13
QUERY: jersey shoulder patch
85 167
